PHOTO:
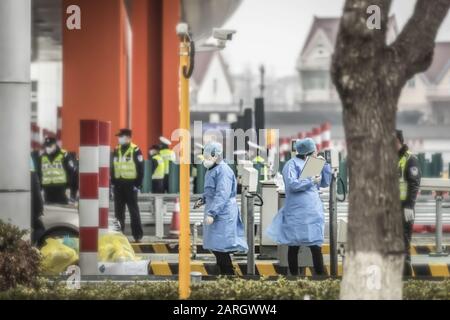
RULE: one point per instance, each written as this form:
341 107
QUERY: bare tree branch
414 46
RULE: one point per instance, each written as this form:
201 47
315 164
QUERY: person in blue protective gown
300 222
223 231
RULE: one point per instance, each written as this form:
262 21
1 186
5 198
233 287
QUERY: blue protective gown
226 233
301 221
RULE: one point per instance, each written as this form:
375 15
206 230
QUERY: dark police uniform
409 175
127 172
56 172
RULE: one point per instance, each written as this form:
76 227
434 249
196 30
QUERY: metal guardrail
158 209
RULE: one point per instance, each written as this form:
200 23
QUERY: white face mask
123 140
50 150
208 163
152 152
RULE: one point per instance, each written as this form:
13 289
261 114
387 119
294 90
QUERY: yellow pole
185 241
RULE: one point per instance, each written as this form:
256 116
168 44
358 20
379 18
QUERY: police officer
127 172
56 171
158 170
168 156
409 175
259 161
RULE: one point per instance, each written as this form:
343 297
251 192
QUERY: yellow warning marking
439 270
266 269
237 270
199 267
308 272
340 270
160 248
326 249
136 248
161 268
413 250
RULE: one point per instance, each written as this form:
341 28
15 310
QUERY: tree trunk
369 76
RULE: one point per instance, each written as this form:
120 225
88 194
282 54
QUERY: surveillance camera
182 29
223 34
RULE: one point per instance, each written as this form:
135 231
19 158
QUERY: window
315 80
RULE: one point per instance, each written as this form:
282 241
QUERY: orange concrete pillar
94 67
170 62
146 19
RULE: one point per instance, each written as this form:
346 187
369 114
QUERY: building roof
441 62
202 63
329 25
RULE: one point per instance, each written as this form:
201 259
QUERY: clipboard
313 167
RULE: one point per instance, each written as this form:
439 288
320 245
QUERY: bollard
147 180
250 235
89 205
200 179
439 250
196 277
174 177
333 226
104 136
159 216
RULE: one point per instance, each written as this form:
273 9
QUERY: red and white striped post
35 137
317 137
59 126
103 171
89 189
326 135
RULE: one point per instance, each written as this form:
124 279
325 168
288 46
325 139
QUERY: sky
272 32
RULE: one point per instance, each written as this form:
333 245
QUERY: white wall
206 93
49 95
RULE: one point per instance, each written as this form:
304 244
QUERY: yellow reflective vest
53 172
260 160
124 165
402 171
158 172
167 155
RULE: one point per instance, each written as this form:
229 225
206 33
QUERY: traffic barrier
172 248
59 126
104 149
175 224
268 269
89 194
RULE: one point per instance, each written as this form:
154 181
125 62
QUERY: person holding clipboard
301 221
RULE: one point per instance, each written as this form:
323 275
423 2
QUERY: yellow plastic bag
56 257
115 247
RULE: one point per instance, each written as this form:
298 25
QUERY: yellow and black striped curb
267 269
143 248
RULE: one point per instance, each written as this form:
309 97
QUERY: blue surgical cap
213 149
305 146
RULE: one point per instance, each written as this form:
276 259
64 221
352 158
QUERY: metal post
333 226
244 206
15 53
159 216
439 250
194 240
185 152
250 236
